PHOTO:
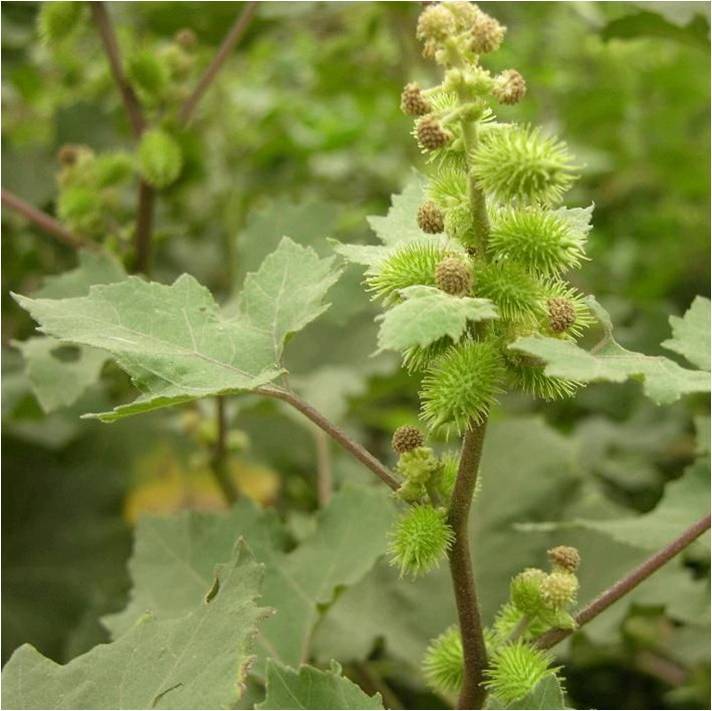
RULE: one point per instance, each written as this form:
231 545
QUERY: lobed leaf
311 688
691 334
173 340
664 381
548 694
684 501
428 314
196 661
173 559
56 381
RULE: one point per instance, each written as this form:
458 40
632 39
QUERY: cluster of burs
92 200
493 229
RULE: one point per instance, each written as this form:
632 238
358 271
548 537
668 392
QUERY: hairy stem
472 694
46 223
627 583
228 44
111 46
146 194
354 448
324 477
218 464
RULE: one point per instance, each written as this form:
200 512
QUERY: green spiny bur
420 540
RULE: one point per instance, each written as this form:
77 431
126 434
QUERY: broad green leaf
95 267
691 334
579 219
173 560
428 314
368 255
199 660
173 340
400 224
311 688
664 381
548 694
306 223
286 292
685 500
57 381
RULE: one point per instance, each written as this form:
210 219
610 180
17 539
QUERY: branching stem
231 39
111 46
46 223
354 448
629 582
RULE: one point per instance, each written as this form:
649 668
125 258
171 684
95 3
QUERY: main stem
472 694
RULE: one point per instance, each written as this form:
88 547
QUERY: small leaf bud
453 276
487 34
435 24
559 589
509 87
565 557
431 135
562 314
407 438
418 465
430 218
413 103
525 591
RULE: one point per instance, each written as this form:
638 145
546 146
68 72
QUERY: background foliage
302 135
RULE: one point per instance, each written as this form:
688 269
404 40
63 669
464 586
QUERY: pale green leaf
548 694
685 500
428 314
691 334
286 292
311 688
95 267
174 342
664 381
173 560
196 661
59 381
579 219
400 224
368 255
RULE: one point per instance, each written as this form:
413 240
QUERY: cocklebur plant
476 302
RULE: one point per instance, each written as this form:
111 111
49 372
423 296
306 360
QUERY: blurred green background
302 135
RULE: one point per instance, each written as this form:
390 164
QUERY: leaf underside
199 660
